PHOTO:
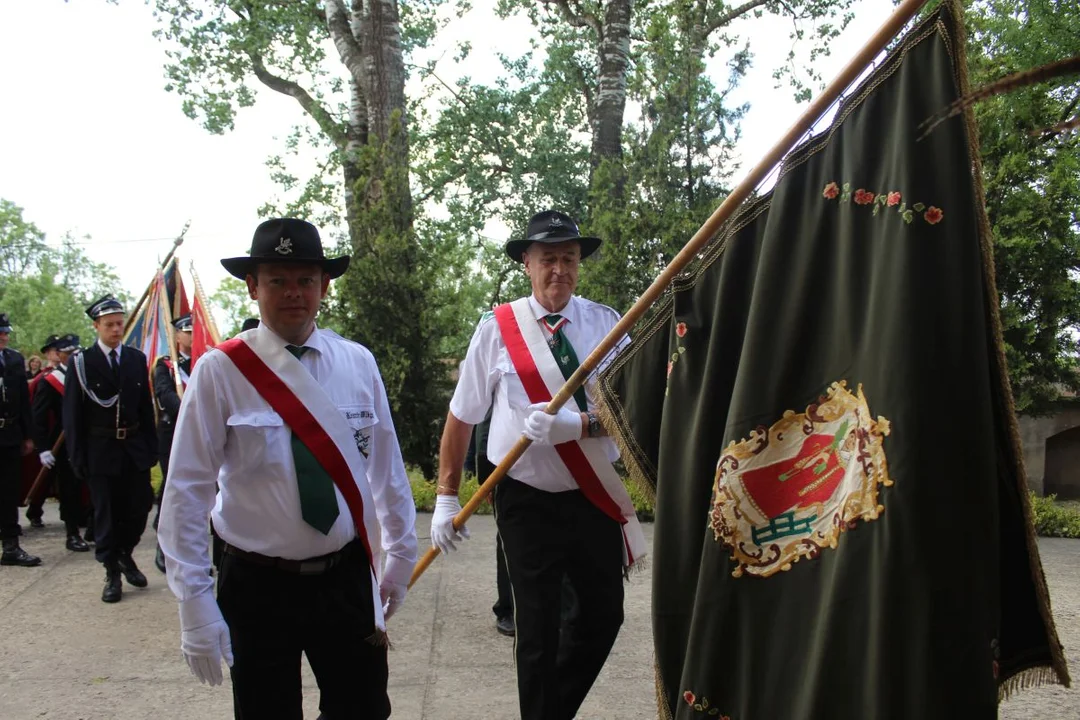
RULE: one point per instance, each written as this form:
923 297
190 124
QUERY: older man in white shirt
293 425
562 509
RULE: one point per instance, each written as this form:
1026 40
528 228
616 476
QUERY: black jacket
47 411
165 392
91 453
14 399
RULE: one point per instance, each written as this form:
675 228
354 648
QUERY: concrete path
69 656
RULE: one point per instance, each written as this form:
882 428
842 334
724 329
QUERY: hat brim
515 248
241 267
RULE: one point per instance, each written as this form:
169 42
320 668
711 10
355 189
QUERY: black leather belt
113 433
311 566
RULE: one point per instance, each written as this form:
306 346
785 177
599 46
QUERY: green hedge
1055 519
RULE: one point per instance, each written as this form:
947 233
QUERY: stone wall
1052 451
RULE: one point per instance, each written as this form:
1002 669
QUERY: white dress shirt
231 443
106 349
488 374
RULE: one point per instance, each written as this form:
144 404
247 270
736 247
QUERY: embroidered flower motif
831 191
689 697
680 329
933 215
893 199
863 197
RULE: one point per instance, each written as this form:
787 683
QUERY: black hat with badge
551 226
50 343
5 324
183 323
104 305
285 240
67 343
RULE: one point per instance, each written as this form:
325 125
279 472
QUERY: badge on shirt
362 438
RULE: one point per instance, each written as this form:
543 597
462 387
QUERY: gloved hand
204 638
443 534
47 458
545 429
392 595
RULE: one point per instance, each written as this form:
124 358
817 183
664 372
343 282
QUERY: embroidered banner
820 403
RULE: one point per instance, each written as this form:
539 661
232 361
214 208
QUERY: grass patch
1056 519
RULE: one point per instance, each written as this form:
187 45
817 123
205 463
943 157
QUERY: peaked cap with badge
285 240
5 324
67 343
104 305
183 323
551 227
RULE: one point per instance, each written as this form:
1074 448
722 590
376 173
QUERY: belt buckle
3 423
312 567
121 433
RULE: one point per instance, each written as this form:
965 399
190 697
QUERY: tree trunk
614 63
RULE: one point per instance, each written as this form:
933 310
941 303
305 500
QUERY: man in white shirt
562 509
292 422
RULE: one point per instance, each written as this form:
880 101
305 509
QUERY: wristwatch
594 424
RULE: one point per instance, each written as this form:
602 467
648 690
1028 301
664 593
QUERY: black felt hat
551 227
285 240
249 324
104 305
50 343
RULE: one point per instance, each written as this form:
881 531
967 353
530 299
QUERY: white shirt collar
540 312
106 349
314 340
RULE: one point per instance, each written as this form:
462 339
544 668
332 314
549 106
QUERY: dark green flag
820 403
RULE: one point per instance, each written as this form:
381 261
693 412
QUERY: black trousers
69 491
165 438
546 537
274 616
10 485
122 503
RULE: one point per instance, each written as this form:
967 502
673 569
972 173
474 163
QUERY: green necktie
564 354
318 503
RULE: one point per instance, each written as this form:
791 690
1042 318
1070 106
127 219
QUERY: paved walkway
69 656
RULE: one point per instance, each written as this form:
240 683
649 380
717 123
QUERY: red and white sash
293 393
586 459
56 378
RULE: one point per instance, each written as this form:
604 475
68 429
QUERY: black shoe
36 523
131 571
88 536
15 555
113 590
159 559
76 543
505 626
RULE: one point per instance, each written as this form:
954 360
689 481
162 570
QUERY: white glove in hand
393 597
443 534
47 458
204 638
545 429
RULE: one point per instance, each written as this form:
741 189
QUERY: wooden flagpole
892 26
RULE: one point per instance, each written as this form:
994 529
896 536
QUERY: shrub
1055 519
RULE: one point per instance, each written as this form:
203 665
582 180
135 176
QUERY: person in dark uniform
47 411
35 510
15 442
111 442
168 400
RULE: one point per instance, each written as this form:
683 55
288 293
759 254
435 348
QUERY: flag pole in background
170 331
133 313
204 332
851 72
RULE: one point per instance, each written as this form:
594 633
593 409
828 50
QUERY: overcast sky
91 143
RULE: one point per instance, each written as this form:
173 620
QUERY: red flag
202 334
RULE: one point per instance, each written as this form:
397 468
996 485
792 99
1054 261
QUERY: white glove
47 458
443 534
204 638
556 429
393 597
